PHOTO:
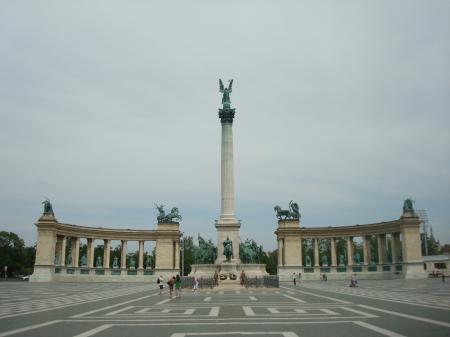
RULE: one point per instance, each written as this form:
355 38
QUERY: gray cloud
108 108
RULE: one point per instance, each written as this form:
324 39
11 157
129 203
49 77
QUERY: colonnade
403 234
53 239
382 250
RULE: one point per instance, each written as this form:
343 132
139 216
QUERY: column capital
226 115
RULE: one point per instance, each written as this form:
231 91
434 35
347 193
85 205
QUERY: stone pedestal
228 230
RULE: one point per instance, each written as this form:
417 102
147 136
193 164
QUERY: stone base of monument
208 270
42 274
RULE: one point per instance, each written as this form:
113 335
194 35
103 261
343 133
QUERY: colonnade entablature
387 249
54 239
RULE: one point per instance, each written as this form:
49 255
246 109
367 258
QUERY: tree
15 255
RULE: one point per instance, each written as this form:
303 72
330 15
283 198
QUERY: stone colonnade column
350 251
90 253
301 252
333 252
62 253
381 241
75 247
106 252
316 253
123 254
395 246
366 249
280 252
141 255
176 254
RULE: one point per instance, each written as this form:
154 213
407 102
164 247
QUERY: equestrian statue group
287 214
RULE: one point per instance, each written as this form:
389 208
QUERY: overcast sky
107 107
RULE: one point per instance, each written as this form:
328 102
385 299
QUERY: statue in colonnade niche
308 261
324 261
57 260
372 259
98 262
357 258
83 261
115 262
342 260
148 262
132 262
69 259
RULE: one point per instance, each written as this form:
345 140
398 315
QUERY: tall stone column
301 252
90 252
62 253
75 247
123 254
141 254
227 226
350 251
106 252
381 241
333 252
366 249
316 253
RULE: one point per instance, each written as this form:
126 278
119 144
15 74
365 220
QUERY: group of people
174 282
296 278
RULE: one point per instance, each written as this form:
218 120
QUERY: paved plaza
377 308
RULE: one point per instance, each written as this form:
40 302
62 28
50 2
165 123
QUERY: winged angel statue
226 93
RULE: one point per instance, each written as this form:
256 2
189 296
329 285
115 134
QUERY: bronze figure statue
163 217
228 249
291 213
48 209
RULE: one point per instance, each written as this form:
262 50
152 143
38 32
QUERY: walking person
443 276
178 286
159 282
171 283
294 278
195 285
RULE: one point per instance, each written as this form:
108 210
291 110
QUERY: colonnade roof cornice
102 233
342 231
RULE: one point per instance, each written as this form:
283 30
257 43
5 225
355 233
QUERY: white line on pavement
293 298
322 296
111 306
207 299
417 318
143 311
164 301
248 311
214 311
94 331
252 298
365 314
282 333
378 329
329 312
28 328
117 311
273 310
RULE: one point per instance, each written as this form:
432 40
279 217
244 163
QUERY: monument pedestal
228 229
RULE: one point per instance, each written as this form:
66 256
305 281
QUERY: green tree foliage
15 255
188 251
434 247
272 262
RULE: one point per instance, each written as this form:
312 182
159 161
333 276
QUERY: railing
203 282
271 281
